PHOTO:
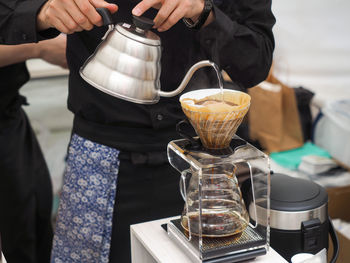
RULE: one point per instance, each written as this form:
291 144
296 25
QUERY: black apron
25 186
147 189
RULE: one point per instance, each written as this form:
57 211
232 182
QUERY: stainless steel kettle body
126 64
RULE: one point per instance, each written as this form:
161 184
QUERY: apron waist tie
150 158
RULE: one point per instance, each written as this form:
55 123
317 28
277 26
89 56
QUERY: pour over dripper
215 124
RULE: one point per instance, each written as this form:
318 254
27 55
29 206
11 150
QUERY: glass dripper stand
215 225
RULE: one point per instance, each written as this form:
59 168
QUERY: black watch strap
208 6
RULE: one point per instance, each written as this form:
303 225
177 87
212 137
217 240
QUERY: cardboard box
338 207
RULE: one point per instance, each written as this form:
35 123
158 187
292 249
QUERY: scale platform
248 245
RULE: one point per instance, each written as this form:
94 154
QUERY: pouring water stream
220 80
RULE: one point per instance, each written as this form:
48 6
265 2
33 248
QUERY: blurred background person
25 185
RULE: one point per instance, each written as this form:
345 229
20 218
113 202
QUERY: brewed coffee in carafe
223 211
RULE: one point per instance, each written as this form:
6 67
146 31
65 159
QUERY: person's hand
54 50
69 16
170 11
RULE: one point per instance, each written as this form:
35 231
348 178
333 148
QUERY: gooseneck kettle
126 64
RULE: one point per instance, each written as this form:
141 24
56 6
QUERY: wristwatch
208 6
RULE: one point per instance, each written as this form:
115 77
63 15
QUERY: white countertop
150 243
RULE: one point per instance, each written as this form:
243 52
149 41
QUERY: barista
118 148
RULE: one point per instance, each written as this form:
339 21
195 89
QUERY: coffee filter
215 124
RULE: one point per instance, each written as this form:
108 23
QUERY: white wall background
313 46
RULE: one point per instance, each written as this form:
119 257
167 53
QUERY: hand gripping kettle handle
188 76
106 16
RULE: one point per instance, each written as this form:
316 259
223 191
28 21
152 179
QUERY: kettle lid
139 31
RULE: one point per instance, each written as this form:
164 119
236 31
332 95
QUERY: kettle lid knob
142 22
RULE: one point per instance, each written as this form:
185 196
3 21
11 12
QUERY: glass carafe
214 188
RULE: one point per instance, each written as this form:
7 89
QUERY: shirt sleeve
18 22
240 39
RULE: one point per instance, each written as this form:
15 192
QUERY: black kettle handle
106 15
335 241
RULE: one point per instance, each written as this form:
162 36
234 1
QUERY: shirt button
160 117
24 36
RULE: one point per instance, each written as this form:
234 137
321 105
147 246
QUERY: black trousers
25 193
144 192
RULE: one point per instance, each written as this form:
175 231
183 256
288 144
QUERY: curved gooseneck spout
188 76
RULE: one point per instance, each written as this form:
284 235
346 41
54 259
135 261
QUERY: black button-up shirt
240 41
